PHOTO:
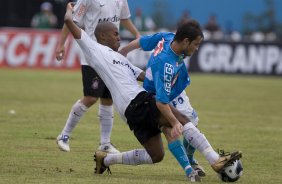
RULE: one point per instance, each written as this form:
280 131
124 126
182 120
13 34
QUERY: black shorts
142 116
93 85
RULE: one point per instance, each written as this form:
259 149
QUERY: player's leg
178 151
153 153
106 124
200 142
79 108
141 118
106 116
182 103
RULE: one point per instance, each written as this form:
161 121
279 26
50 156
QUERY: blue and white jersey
166 73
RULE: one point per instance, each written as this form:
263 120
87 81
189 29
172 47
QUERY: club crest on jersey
95 83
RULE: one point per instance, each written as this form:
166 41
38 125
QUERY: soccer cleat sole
199 169
201 173
100 167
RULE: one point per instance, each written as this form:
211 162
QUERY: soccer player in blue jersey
167 77
168 56
165 67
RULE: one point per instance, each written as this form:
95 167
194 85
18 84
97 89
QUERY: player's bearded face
192 46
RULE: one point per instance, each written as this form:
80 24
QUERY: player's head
189 36
107 34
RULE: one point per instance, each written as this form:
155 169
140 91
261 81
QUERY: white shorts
182 104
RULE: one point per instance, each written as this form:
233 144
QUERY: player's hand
60 53
177 130
71 5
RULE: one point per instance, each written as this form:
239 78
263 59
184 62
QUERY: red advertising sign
35 49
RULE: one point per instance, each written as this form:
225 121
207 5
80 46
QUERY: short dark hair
190 29
103 27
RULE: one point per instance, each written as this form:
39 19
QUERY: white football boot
194 177
63 142
108 148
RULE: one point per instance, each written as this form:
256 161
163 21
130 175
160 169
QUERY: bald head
107 34
103 27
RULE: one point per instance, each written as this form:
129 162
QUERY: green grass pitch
236 113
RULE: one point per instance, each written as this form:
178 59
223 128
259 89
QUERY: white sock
133 157
200 142
77 111
106 123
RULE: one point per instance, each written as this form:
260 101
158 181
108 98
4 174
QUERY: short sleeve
125 12
88 46
79 11
149 42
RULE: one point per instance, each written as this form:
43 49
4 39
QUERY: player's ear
186 41
102 35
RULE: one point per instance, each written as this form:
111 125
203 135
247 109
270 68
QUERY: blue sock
178 151
190 150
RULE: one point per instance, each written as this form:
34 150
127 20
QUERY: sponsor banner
36 49
238 57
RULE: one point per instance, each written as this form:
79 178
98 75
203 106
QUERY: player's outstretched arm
141 77
73 28
127 23
60 50
130 47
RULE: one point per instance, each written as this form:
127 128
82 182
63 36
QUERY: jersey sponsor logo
168 77
110 19
159 47
124 64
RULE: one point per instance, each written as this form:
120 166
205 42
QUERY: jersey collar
179 58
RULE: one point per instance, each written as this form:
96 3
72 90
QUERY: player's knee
158 157
89 100
106 101
183 119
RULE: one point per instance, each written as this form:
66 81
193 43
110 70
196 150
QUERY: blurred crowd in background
49 15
